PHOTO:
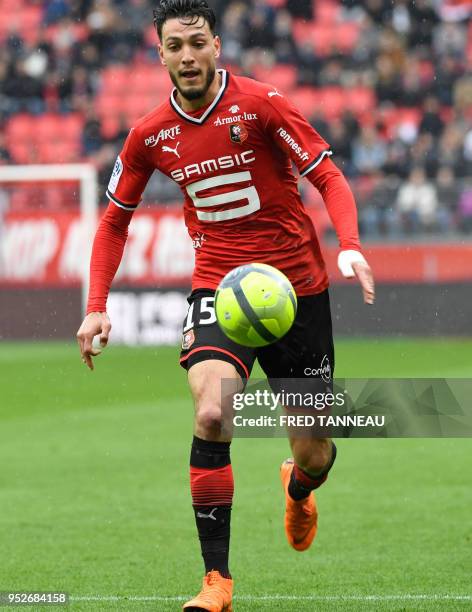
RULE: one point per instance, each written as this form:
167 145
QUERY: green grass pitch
94 495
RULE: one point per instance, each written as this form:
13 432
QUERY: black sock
299 488
212 493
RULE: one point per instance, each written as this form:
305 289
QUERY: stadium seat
79 31
72 126
59 152
48 127
326 11
114 80
110 125
305 99
143 80
323 38
302 31
24 152
139 105
11 5
276 3
20 129
31 17
331 101
283 75
110 104
360 100
347 36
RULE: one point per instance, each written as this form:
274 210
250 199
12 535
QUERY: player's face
189 52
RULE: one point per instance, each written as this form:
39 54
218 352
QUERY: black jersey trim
121 204
201 120
316 162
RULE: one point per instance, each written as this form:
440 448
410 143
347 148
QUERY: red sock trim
306 481
219 350
212 487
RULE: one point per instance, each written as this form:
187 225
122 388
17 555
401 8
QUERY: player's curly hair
190 10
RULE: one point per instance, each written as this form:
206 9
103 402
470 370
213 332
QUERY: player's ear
160 50
217 46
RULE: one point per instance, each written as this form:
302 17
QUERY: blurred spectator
463 94
376 214
5 157
75 92
417 202
302 9
465 208
450 39
431 121
447 73
92 139
54 10
448 191
467 151
412 89
369 151
424 18
341 145
259 32
284 46
450 150
424 153
24 91
232 31
388 82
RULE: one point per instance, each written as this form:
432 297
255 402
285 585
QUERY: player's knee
208 420
318 458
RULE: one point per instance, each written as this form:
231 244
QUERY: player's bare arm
94 324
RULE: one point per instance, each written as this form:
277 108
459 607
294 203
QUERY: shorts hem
238 363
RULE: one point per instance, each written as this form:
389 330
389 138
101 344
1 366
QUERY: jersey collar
209 110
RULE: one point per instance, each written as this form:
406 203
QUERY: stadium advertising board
47 249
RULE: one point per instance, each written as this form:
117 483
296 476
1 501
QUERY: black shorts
306 351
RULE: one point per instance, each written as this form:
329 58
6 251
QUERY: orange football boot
301 517
215 596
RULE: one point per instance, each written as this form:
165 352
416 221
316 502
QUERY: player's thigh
307 350
217 367
213 384
203 340
300 367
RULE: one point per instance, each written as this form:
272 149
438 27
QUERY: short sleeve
292 133
130 174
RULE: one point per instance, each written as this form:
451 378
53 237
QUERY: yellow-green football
255 305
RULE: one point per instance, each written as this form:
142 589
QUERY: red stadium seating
284 75
326 11
20 129
331 101
305 99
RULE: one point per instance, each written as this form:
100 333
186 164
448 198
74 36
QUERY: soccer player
231 143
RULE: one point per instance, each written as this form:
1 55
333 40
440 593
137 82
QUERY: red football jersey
233 162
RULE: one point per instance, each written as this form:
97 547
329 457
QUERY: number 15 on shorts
201 312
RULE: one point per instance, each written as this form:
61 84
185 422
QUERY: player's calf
313 459
212 487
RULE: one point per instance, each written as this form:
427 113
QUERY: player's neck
189 106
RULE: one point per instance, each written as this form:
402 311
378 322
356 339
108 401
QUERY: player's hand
353 264
94 324
366 279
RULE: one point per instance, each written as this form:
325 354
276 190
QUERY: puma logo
271 94
210 516
166 149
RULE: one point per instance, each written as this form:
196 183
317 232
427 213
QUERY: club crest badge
238 133
188 339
